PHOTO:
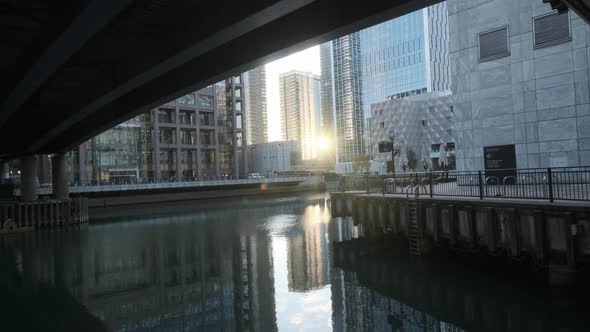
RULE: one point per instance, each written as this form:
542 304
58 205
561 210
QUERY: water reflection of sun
316 214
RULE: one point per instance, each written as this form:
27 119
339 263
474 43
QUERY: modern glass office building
256 111
347 99
327 101
402 57
405 56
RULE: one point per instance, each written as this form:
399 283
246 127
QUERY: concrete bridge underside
72 69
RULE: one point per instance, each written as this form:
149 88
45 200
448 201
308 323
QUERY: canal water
256 264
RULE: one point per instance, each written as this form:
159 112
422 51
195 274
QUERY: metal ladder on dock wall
413 233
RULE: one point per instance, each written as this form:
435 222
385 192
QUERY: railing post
550 180
431 184
367 182
480 185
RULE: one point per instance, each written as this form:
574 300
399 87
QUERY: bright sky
307 60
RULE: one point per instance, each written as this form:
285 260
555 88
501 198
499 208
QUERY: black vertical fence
549 184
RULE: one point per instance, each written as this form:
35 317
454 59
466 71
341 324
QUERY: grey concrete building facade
520 77
417 120
256 111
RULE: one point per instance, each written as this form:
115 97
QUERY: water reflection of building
308 254
253 280
394 292
144 279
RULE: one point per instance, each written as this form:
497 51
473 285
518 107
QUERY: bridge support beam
28 178
61 190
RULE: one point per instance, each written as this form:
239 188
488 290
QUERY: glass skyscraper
256 112
346 86
327 101
405 56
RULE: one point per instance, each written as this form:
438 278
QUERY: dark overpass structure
72 69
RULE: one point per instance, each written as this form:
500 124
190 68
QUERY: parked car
255 176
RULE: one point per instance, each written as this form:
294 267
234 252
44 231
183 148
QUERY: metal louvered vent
493 44
552 29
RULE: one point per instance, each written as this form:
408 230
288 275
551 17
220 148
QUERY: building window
239 121
187 117
238 105
206 138
166 115
186 157
167 157
382 125
205 100
206 119
493 44
187 137
551 29
167 136
147 135
186 100
239 141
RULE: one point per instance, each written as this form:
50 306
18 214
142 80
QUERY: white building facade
272 158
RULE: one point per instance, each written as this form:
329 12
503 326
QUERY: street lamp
392 138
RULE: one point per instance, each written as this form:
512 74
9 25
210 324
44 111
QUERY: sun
323 143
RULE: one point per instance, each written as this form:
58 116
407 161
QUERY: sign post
500 162
387 146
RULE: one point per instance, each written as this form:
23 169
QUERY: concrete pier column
28 178
59 176
4 171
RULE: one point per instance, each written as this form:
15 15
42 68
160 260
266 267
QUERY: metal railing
120 181
168 185
572 183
